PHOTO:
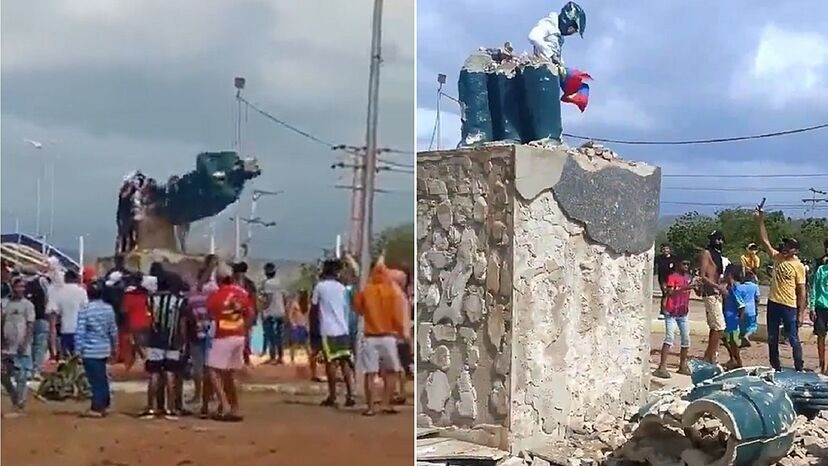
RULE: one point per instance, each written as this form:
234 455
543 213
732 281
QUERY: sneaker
662 373
148 414
349 402
171 415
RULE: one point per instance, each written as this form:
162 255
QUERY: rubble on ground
608 441
744 417
678 426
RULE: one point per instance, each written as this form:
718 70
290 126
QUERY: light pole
250 221
257 194
47 170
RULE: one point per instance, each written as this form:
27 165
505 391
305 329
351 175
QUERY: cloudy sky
665 70
113 85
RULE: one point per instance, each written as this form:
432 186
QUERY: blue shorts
732 322
749 324
67 344
299 335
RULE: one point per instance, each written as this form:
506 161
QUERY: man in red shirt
232 311
676 308
135 305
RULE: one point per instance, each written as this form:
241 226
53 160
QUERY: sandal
661 373
227 418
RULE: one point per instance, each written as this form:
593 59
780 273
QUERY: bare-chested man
710 270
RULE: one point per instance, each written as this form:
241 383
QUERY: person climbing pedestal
535 284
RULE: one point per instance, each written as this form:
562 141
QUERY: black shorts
404 350
316 343
821 321
159 360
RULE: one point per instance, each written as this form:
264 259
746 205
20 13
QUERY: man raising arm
787 299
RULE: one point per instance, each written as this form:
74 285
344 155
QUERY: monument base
534 289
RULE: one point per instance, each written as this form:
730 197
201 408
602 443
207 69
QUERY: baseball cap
716 234
790 243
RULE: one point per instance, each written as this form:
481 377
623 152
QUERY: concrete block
542 301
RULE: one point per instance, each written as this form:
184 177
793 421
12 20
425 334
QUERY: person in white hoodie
547 37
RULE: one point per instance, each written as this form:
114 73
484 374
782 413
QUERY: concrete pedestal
534 289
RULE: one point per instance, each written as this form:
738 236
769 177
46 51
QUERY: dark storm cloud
121 85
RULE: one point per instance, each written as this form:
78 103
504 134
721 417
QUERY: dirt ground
276 430
756 355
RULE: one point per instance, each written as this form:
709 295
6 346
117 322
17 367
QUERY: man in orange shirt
380 303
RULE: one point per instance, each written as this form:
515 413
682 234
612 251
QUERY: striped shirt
167 309
96 336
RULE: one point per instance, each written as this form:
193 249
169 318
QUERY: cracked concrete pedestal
534 288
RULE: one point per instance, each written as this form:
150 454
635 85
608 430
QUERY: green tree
308 273
688 234
398 244
813 232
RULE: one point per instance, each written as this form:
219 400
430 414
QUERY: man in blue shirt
96 340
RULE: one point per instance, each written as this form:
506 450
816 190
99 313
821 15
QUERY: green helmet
572 15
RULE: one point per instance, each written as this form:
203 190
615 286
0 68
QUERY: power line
733 204
301 132
665 143
787 175
702 141
286 124
396 164
747 189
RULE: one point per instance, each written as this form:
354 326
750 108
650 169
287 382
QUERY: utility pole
357 200
369 173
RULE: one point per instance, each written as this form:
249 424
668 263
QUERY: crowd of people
200 330
798 296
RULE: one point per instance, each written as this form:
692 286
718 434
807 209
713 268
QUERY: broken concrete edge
559 170
480 61
530 162
569 174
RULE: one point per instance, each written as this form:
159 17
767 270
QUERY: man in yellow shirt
787 299
751 261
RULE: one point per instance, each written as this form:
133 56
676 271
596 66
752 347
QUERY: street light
47 170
